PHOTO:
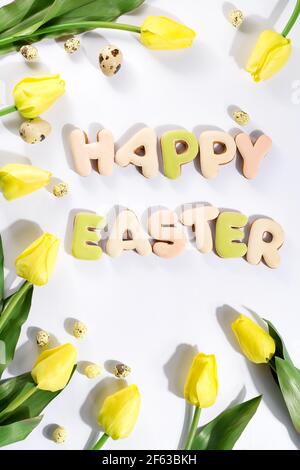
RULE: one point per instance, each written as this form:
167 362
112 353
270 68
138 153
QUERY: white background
151 313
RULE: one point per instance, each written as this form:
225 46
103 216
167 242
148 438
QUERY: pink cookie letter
252 154
259 247
83 152
163 226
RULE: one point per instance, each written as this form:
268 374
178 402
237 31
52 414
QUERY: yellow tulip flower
53 368
36 263
270 54
159 32
257 345
17 180
34 95
201 387
119 412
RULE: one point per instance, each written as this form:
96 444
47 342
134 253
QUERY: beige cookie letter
252 154
83 152
127 223
198 218
259 247
210 160
140 150
163 226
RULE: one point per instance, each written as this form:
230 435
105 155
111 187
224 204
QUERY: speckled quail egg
35 130
93 370
42 338
79 330
72 45
29 52
241 117
59 435
110 60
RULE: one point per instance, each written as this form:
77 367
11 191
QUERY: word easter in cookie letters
167 236
214 148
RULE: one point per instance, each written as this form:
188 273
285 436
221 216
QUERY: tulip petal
54 367
36 263
119 412
270 54
17 180
257 345
34 95
201 387
159 32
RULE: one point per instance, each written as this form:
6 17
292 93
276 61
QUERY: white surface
150 313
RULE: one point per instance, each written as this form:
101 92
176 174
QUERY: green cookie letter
86 236
229 235
172 157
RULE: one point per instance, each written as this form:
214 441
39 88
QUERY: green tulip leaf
223 432
281 350
10 333
27 21
33 406
289 382
18 431
1 275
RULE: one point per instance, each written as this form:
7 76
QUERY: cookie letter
141 150
210 160
178 147
86 236
228 235
259 248
252 154
198 218
163 225
83 152
127 223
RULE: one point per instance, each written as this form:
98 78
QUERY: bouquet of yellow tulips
27 22
23 398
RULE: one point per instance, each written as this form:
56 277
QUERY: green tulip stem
270 363
65 27
8 110
99 444
25 394
12 302
292 19
193 428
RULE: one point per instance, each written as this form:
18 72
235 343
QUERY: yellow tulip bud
257 345
270 54
201 387
119 412
34 95
17 180
53 368
159 32
36 263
